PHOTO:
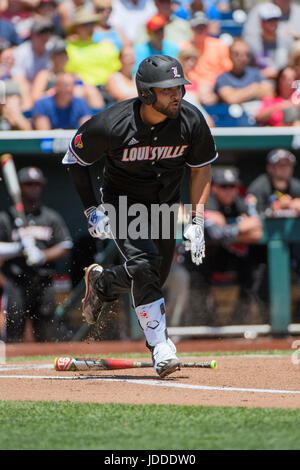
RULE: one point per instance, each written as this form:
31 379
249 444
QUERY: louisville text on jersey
147 152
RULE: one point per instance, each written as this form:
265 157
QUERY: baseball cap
199 18
41 26
31 174
58 45
276 155
156 22
225 176
269 11
83 16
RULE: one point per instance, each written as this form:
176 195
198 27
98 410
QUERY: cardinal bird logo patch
78 141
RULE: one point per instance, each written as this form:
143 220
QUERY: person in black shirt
146 142
28 256
230 231
277 189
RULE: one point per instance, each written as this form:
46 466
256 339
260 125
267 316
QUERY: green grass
68 426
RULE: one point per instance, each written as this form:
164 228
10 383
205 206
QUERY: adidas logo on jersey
133 141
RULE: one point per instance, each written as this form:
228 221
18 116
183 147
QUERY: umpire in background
147 143
28 256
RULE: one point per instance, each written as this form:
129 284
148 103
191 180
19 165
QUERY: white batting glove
195 243
34 256
98 222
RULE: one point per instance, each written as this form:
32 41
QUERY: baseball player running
147 141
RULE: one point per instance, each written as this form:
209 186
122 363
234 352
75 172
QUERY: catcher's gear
160 71
34 256
194 233
98 222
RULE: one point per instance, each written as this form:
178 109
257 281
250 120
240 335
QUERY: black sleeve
203 149
60 230
91 141
4 224
82 182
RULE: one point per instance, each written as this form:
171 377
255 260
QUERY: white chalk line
13 367
154 383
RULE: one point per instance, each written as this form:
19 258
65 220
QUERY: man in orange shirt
213 60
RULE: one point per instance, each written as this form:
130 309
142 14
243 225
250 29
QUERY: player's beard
171 113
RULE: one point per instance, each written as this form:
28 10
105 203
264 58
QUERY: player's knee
147 270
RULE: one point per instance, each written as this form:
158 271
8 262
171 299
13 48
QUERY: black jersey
47 227
145 162
237 208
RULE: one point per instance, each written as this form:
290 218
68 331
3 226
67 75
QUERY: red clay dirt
264 381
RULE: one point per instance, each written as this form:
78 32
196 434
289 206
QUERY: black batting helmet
160 71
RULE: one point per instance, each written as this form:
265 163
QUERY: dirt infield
251 381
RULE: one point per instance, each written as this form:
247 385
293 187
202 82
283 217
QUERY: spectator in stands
243 84
6 65
214 9
8 33
157 44
121 85
294 58
21 14
62 110
11 115
92 63
188 58
45 80
130 14
212 13
283 109
277 194
67 10
230 231
177 30
213 57
32 55
277 189
288 23
104 30
270 49
48 10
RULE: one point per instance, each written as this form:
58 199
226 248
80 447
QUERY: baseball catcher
146 141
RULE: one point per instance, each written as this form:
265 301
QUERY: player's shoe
165 360
91 303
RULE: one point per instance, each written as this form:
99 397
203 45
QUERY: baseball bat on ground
13 187
87 363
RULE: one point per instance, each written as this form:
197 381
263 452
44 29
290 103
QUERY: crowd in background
64 60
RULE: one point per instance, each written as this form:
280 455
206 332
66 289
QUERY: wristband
89 210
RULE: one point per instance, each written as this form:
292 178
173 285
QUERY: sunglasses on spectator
102 9
32 183
227 186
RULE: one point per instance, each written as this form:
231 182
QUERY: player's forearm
200 186
82 182
55 253
10 250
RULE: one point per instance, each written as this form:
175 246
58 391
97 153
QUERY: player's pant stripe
125 266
